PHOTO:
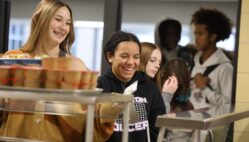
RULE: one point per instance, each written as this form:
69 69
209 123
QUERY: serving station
62 102
202 119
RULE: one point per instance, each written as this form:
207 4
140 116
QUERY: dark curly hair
216 22
112 44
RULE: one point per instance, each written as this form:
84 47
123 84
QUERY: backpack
209 69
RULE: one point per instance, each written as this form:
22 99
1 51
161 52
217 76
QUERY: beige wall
242 92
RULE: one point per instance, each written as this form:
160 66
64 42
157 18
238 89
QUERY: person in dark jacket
122 52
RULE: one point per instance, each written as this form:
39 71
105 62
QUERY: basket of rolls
52 73
68 73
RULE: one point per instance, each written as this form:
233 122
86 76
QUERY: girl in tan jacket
52 34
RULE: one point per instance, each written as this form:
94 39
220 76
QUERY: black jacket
148 104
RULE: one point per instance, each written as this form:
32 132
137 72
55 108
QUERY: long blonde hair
40 23
147 49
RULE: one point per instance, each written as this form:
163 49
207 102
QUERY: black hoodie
148 104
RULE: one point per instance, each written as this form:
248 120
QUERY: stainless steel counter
62 102
203 119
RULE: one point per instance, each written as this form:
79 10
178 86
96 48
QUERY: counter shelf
63 102
202 119
8 139
8 61
45 107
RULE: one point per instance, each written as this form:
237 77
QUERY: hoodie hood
218 57
157 36
169 48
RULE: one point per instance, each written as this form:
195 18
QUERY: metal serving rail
65 99
202 119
